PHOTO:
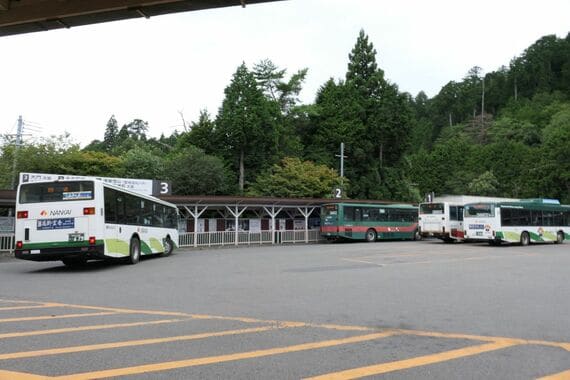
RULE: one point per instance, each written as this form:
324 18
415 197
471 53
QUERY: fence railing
210 239
6 242
213 239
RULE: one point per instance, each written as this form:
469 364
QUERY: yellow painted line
44 317
86 328
43 306
558 376
9 375
379 369
221 358
133 343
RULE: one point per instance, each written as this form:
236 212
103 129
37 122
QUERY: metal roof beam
4 5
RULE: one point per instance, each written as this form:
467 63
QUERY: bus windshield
431 208
56 191
479 210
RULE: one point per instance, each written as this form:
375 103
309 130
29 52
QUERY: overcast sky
74 79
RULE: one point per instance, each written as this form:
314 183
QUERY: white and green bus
526 221
79 220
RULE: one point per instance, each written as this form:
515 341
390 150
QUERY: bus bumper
91 252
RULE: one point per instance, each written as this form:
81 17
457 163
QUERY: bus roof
376 205
530 204
109 185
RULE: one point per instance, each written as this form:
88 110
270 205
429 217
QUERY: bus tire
74 262
370 235
168 246
417 235
134 251
559 237
525 238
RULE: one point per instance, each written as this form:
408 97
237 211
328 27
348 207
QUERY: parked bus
517 222
368 222
443 220
79 220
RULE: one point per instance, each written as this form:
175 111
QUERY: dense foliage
503 133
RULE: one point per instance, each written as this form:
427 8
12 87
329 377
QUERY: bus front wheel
525 239
370 235
134 251
559 237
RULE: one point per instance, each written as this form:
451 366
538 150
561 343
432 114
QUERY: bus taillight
22 215
19 244
89 211
92 240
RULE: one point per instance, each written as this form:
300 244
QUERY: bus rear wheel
134 251
525 239
370 235
559 237
168 246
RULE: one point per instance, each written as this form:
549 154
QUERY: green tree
246 127
486 184
142 163
296 178
193 172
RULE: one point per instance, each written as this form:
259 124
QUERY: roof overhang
26 16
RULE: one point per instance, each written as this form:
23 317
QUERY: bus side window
460 213
121 215
453 213
110 206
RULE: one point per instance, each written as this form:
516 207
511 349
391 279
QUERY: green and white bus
523 222
369 222
79 220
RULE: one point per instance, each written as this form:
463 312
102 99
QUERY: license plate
479 233
76 237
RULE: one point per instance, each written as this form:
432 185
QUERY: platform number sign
338 192
161 188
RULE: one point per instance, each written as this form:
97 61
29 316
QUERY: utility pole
483 101
339 191
342 157
19 132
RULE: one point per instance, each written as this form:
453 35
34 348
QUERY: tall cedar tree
386 117
246 127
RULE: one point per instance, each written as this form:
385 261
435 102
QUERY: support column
236 215
272 214
195 214
306 213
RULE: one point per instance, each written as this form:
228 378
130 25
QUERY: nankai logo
55 213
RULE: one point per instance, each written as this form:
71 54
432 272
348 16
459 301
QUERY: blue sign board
55 224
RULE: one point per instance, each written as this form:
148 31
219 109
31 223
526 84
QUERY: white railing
210 239
6 242
214 239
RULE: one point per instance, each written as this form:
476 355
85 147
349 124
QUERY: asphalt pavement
395 310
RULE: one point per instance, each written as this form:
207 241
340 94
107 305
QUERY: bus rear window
479 210
56 192
431 208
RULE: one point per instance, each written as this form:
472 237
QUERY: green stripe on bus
59 244
117 246
145 249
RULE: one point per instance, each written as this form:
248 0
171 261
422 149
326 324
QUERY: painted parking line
63 316
557 376
87 328
420 361
149 368
140 342
42 306
10 375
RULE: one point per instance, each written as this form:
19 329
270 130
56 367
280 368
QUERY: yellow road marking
221 358
558 376
140 342
43 317
86 328
29 307
9 375
414 362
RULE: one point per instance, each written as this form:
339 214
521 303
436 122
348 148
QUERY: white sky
73 80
